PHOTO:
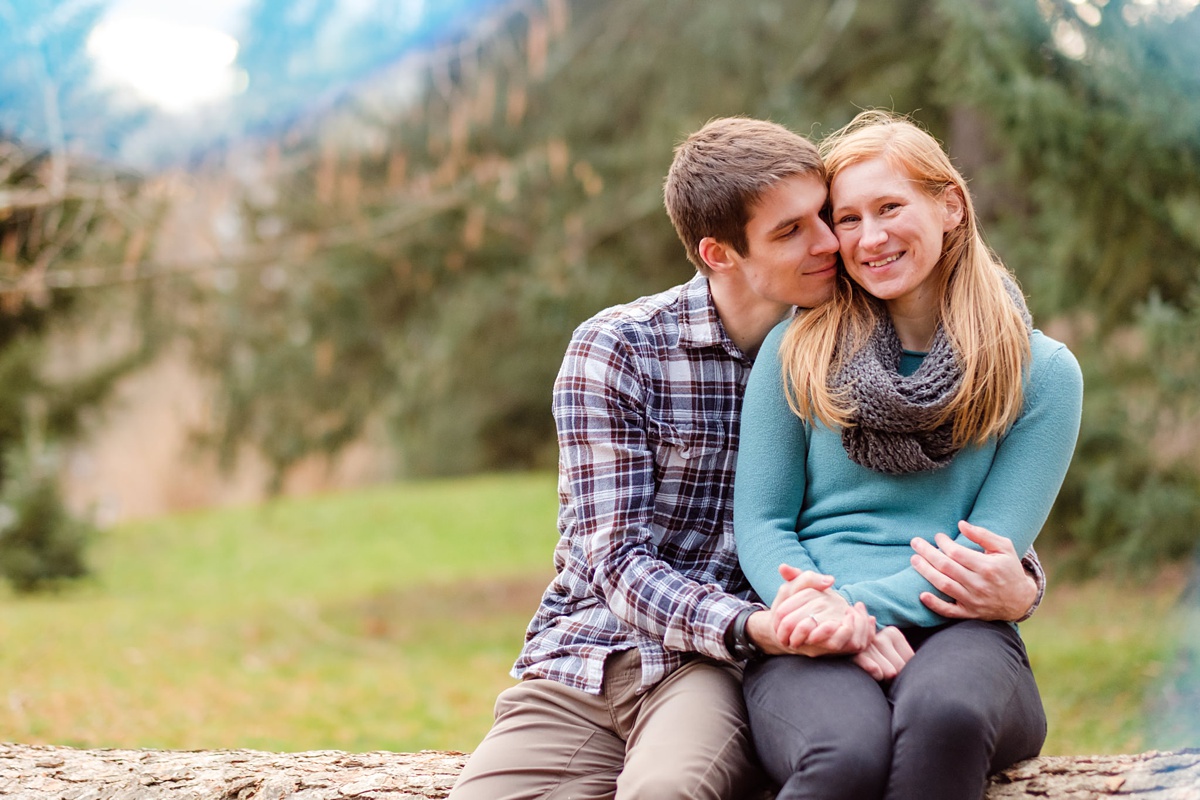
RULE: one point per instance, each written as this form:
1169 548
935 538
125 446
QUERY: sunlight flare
178 67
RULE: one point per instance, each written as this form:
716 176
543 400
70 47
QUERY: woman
917 401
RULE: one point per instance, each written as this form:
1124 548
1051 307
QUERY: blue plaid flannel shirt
647 404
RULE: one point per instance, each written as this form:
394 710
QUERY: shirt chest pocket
693 473
688 444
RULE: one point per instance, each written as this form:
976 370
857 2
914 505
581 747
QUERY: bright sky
177 54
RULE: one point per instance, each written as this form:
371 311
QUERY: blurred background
284 286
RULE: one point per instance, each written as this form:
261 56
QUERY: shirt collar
699 325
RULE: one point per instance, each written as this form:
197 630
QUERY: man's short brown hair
721 170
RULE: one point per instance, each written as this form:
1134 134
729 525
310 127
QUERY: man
631 667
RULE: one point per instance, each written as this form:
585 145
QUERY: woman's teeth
883 262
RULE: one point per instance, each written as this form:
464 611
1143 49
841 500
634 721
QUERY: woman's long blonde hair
986 330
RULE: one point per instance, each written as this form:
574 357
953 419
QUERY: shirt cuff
721 617
1033 566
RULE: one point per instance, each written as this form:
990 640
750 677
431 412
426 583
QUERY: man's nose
825 242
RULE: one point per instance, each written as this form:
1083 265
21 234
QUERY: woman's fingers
894 647
886 656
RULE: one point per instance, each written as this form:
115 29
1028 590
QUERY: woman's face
890 232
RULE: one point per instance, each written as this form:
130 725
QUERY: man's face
792 253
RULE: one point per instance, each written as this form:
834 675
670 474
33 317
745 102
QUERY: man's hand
992 585
809 618
887 654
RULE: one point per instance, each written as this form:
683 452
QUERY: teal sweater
799 500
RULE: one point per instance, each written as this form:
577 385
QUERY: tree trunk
31 772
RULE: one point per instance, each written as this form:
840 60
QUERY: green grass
388 619
1101 651
383 619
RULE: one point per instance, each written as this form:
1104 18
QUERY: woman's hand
992 585
886 655
809 618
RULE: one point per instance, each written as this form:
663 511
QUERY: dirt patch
403 613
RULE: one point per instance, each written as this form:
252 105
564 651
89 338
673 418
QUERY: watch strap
737 638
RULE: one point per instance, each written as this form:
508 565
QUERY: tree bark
35 772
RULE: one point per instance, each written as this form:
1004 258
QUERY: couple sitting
902 438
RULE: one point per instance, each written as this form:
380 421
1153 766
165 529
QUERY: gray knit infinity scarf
894 428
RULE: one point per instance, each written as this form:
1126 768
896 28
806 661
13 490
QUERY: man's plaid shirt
647 404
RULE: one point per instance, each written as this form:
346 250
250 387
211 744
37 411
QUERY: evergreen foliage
1096 117
1100 145
42 545
59 217
1131 497
435 253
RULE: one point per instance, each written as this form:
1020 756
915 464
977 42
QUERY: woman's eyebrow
878 198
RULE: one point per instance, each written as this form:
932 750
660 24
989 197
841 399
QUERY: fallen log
40 772
1172 775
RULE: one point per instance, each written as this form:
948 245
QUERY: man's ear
956 208
719 256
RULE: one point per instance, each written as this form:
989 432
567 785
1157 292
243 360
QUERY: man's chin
815 297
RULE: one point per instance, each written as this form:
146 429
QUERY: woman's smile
883 262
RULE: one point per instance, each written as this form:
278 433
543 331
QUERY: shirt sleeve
609 468
1033 565
1027 471
771 476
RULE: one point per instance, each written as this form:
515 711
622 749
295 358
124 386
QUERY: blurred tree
59 217
435 251
446 261
1093 112
42 545
1133 496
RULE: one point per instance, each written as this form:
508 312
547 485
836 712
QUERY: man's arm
608 468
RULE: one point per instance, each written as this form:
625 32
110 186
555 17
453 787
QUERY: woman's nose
873 234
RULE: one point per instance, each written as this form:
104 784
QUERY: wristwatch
737 640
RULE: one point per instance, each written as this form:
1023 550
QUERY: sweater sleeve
1027 471
771 476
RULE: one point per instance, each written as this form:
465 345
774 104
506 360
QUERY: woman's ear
718 256
956 207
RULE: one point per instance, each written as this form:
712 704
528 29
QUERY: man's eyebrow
787 223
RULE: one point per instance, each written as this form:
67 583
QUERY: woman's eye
889 207
849 219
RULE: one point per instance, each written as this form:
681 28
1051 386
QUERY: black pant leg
822 727
965 706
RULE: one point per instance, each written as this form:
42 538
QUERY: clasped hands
809 618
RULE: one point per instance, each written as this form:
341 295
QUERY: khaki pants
686 738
